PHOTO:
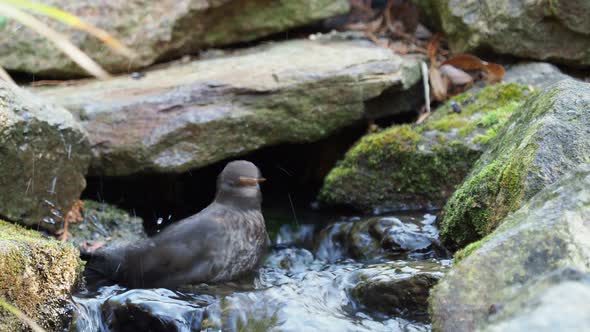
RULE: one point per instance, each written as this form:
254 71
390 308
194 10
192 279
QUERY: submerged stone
545 138
380 237
36 276
502 276
154 310
418 167
398 289
191 115
155 30
44 157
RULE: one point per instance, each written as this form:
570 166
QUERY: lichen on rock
36 275
500 275
411 167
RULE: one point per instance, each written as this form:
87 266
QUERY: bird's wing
188 252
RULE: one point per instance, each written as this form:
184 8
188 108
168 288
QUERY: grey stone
195 114
155 30
548 233
44 155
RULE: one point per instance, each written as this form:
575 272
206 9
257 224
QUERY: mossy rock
36 275
498 276
103 223
417 167
546 137
44 156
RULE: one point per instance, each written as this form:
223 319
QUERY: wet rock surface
546 137
556 302
37 275
505 275
195 114
155 30
154 310
528 29
103 223
391 237
401 290
294 290
44 157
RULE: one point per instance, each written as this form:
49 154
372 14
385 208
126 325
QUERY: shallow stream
309 282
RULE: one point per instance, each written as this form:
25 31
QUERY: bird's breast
246 243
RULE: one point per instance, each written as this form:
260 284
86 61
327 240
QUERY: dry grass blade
56 38
21 316
6 77
426 85
75 22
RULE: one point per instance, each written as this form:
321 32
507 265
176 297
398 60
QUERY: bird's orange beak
248 181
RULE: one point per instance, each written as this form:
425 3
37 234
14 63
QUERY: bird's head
238 185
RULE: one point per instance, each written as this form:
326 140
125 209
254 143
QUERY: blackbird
223 242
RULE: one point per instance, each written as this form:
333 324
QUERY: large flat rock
155 30
191 115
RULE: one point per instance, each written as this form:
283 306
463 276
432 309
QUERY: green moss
387 167
468 250
495 186
447 123
421 165
36 274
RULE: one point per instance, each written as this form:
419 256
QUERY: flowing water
299 288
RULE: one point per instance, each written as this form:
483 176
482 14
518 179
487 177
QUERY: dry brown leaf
465 62
75 213
455 75
432 48
494 72
405 14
